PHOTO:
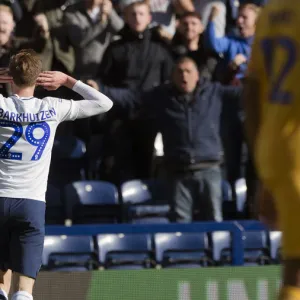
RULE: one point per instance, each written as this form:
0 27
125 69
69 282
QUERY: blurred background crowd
174 70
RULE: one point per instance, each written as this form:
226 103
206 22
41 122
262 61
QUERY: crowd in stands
174 70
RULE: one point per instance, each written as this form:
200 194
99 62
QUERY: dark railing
236 228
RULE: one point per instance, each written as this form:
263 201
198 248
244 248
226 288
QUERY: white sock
3 293
22 295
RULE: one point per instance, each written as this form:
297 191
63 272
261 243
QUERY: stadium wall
226 283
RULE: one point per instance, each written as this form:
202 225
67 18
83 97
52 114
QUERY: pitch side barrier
236 228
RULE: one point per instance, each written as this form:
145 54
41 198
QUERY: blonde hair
6 8
253 7
138 3
25 67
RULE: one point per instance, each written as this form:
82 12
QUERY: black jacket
190 130
205 59
136 61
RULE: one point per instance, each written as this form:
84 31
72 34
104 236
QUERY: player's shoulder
53 101
278 13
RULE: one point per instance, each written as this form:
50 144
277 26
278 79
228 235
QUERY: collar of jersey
23 98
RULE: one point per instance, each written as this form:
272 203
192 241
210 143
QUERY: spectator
203 7
187 113
60 55
236 51
189 41
15 7
91 25
10 44
26 25
138 61
164 13
232 46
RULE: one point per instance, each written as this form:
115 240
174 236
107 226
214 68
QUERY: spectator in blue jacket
232 46
187 113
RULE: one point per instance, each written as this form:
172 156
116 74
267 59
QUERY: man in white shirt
27 130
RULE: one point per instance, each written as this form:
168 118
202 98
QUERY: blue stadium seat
55 211
221 247
69 253
151 220
256 250
275 246
182 250
124 251
144 191
241 195
144 199
68 147
68 161
92 202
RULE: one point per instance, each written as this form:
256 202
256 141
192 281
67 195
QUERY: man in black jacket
137 61
187 113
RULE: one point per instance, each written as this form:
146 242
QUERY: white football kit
27 131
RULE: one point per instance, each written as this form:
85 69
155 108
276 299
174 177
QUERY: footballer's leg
5 272
287 196
23 287
5 282
26 247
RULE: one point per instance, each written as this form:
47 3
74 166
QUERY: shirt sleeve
94 103
218 44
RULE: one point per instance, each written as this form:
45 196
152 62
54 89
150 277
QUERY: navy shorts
22 232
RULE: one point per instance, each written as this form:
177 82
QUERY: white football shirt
27 131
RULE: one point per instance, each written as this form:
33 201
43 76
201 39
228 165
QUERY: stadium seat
221 247
151 220
68 147
55 211
241 195
275 246
256 250
92 202
182 250
143 191
144 199
69 253
124 251
68 161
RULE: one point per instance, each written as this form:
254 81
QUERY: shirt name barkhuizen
27 117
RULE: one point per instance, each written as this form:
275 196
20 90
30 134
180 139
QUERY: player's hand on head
51 80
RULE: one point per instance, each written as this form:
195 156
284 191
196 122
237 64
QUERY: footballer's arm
94 102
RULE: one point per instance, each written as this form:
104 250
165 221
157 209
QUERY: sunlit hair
5 8
138 3
25 67
253 7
